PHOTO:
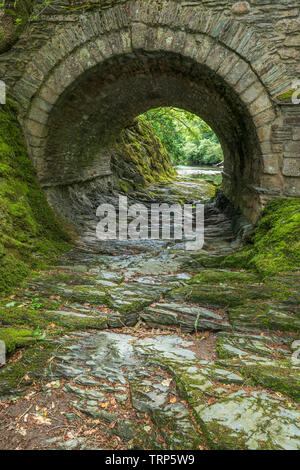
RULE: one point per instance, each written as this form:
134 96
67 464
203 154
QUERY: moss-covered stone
140 158
13 19
255 420
262 360
219 296
268 316
223 277
32 366
275 244
83 5
286 96
15 338
30 234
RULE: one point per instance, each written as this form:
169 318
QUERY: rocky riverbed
148 347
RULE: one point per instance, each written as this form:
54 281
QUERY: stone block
266 147
291 187
35 128
38 115
116 44
292 148
48 94
151 42
165 38
138 35
104 46
216 57
237 72
241 8
262 103
293 41
198 48
86 59
246 81
270 164
291 167
179 41
228 65
125 39
252 93
271 184
266 117
264 133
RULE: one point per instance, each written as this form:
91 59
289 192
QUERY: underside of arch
76 111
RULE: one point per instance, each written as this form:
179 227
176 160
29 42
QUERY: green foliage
15 14
188 139
29 230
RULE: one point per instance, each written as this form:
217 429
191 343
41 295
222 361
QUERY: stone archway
90 80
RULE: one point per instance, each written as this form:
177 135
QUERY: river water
196 170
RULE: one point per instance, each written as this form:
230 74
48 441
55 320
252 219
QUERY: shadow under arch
84 102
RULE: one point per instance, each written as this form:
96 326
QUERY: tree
187 138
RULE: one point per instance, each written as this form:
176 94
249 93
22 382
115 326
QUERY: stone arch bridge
81 73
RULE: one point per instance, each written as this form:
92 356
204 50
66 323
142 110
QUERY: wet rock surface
161 358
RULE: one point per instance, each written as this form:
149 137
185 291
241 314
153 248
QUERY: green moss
224 288
273 247
275 378
89 6
266 316
15 338
30 233
275 244
44 314
13 21
225 295
286 95
17 375
223 277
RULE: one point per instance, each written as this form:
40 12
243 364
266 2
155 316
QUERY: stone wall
83 74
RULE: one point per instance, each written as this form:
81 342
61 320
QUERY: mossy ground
29 322
273 247
30 367
275 244
30 234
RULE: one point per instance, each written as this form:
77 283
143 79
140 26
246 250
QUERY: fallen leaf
104 405
41 419
166 382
